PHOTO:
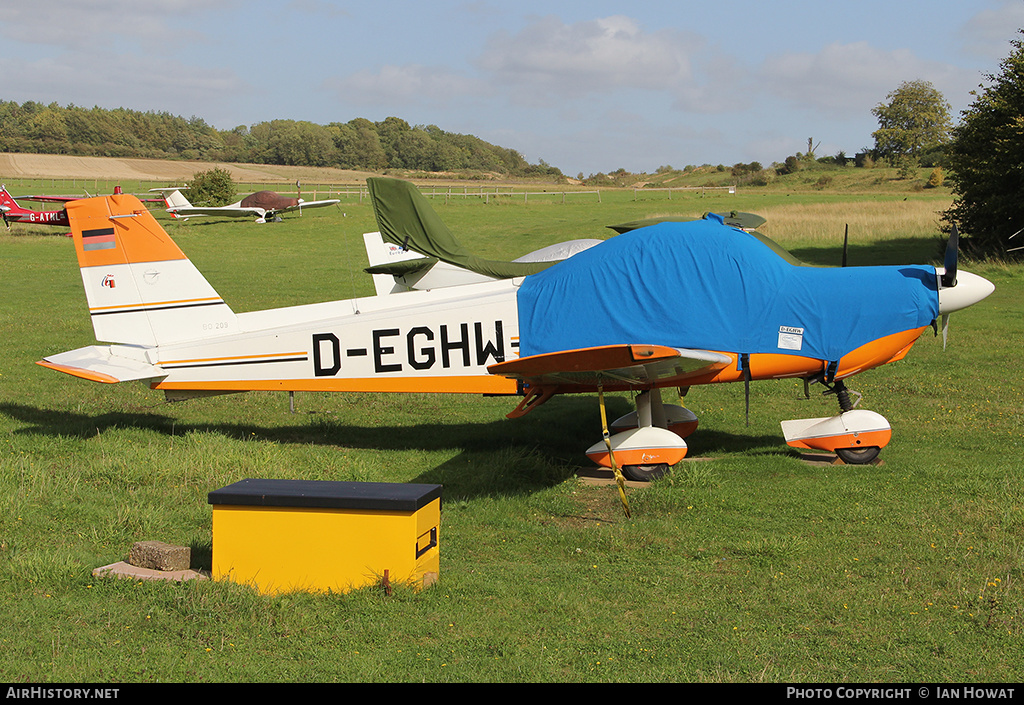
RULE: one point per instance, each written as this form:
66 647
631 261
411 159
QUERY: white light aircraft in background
264 205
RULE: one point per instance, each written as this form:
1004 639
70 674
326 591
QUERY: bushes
211 188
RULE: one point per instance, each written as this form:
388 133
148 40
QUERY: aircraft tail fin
7 200
141 289
406 219
173 197
385 255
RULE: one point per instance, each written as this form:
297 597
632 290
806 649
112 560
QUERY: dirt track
59 166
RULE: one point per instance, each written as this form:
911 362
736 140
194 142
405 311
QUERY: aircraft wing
69 199
188 211
614 366
52 199
100 363
735 219
315 204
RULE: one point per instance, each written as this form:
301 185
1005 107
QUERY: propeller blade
846 242
952 247
1014 249
945 329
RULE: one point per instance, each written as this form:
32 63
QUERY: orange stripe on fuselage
137 237
228 359
410 385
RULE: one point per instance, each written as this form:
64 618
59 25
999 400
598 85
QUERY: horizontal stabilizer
401 269
101 363
396 269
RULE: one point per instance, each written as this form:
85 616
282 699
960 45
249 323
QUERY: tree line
358 144
984 151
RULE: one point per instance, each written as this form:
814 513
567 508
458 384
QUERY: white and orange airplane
675 304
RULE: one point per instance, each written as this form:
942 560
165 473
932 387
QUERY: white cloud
989 32
321 8
193 90
84 24
409 84
550 58
853 77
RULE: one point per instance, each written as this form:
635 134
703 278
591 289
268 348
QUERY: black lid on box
327 494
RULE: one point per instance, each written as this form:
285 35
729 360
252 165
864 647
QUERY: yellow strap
619 478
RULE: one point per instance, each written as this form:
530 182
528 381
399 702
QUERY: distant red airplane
13 213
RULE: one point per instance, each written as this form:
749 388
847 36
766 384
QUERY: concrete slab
126 570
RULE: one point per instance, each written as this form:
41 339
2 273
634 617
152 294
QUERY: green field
745 564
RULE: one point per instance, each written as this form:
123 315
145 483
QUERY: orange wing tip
79 372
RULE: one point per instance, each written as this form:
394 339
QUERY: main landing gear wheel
858 456
645 473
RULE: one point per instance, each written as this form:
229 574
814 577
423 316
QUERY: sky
587 87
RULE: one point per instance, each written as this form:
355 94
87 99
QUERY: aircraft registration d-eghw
673 304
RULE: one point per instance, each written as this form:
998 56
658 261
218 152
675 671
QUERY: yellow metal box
316 536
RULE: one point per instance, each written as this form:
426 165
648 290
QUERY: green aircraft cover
406 219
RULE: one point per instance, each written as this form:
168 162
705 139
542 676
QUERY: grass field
745 564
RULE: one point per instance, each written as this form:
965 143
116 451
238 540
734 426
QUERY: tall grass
868 221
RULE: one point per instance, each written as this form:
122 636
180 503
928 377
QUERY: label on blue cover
790 338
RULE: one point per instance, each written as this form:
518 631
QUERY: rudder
141 288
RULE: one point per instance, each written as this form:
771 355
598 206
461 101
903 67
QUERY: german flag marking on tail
98 239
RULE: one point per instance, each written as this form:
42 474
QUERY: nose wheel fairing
854 431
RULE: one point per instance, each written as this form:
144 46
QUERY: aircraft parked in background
13 213
265 205
674 304
68 199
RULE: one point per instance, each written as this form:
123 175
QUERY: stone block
158 555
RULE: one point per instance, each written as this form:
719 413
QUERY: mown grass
746 564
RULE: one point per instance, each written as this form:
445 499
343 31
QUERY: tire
645 473
858 456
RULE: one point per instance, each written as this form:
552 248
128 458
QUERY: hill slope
60 166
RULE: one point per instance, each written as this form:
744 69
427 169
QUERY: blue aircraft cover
708 286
